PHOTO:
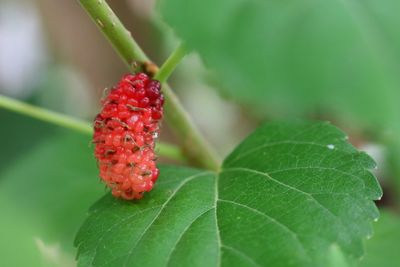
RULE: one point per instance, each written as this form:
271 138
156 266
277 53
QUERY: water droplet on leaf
330 146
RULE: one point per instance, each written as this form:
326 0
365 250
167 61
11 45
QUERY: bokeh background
53 56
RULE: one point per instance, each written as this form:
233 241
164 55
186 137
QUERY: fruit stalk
195 147
170 64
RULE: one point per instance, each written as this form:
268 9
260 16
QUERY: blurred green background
255 61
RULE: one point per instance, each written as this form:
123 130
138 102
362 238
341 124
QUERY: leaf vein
183 233
287 186
273 220
293 142
161 210
243 255
115 225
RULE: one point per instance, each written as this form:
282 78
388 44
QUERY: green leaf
336 257
121 233
299 55
383 248
44 194
282 198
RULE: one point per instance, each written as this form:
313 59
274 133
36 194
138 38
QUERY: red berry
124 134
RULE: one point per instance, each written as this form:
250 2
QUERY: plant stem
119 37
170 64
194 145
45 115
166 150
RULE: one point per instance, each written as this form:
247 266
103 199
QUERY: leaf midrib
294 234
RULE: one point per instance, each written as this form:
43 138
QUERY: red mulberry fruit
125 133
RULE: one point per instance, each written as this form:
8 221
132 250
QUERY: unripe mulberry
124 135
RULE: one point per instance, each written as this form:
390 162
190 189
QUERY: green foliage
282 198
336 258
44 195
291 56
383 248
16 134
290 195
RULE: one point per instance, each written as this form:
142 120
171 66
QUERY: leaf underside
282 198
298 55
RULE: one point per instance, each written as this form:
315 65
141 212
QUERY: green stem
45 115
194 145
119 37
166 150
170 64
